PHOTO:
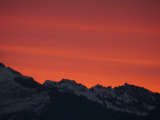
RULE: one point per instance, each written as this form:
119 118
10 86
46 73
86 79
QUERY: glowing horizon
91 42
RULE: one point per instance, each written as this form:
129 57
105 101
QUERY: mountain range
21 97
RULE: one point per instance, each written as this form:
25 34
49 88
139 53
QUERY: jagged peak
2 65
98 86
67 81
10 69
110 88
131 88
126 84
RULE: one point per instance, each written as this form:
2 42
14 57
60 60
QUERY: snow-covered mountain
17 97
127 98
22 97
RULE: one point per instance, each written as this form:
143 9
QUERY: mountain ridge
63 79
20 94
102 94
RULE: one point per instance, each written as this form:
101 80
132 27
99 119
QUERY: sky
107 42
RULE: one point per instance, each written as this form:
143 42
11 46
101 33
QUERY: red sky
106 42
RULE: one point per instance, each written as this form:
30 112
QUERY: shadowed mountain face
128 98
23 98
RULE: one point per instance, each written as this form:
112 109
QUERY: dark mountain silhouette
22 97
154 114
